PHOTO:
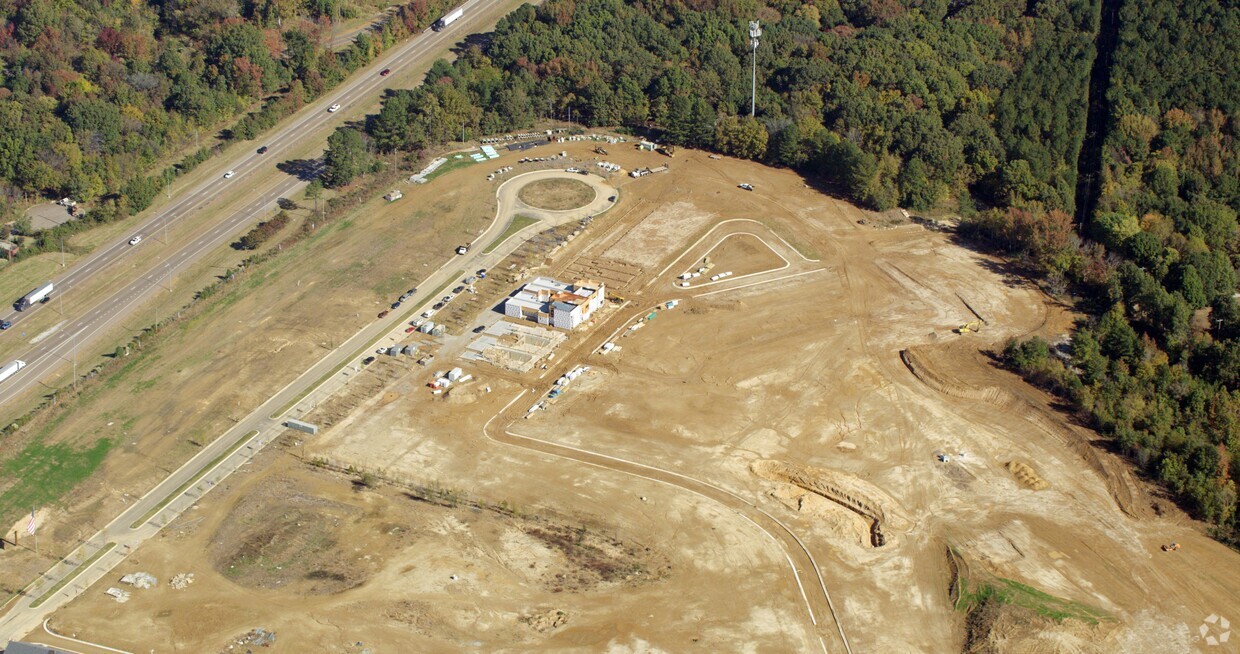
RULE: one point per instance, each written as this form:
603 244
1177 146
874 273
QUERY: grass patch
973 594
518 223
192 480
45 473
453 164
557 194
414 303
73 575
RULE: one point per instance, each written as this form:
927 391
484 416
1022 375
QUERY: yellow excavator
969 327
669 150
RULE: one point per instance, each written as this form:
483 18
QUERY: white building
550 302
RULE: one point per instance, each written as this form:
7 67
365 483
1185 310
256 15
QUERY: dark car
6 324
384 313
412 291
385 72
262 150
438 306
479 329
396 304
367 361
458 289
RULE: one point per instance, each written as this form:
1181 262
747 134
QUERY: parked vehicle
479 329
747 187
384 313
11 369
448 19
396 304
410 330
367 361
40 294
462 249
458 289
437 307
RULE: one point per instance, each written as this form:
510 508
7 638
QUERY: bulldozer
669 150
598 149
969 327
1171 547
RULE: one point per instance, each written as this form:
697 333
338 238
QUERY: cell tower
754 33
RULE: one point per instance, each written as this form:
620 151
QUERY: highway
88 318
234 448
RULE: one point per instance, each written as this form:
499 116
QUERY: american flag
30 527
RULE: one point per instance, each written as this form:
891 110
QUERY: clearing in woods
786 389
556 194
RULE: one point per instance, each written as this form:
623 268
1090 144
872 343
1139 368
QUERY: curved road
85 322
232 449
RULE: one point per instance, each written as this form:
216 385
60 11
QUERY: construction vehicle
975 326
668 150
1171 547
462 249
598 149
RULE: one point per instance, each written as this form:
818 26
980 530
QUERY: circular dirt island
557 194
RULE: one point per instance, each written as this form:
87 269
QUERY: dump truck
448 19
40 294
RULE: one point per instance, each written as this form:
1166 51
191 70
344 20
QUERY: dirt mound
853 494
546 621
917 363
1027 476
278 537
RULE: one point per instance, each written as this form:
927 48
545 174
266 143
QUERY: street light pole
754 33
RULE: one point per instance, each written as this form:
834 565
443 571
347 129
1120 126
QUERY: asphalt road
184 486
88 318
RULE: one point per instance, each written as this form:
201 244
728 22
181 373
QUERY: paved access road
182 488
87 318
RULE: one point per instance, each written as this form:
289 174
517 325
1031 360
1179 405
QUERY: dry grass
557 194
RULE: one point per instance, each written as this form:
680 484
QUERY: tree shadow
305 170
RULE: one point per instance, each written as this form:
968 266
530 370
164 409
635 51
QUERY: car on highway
410 330
262 150
385 72
334 108
229 174
367 361
136 239
6 324
384 313
479 329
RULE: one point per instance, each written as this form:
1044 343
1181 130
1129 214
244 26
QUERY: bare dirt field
556 194
668 498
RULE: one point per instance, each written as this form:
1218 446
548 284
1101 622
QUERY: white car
135 240
747 187
229 174
571 170
334 108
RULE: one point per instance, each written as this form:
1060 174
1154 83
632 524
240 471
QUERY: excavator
969 327
668 150
598 149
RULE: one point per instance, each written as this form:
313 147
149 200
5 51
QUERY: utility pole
754 33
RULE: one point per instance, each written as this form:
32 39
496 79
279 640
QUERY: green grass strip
327 375
453 164
73 575
518 223
192 480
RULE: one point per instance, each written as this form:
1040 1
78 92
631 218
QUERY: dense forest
977 108
94 94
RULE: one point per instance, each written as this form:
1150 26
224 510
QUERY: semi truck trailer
40 294
11 369
448 19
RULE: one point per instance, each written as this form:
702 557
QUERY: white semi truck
11 369
40 294
448 19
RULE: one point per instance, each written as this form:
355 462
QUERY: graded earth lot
822 385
